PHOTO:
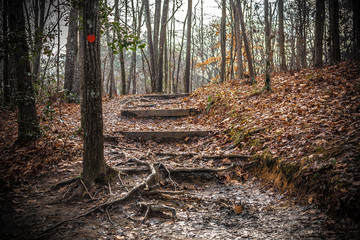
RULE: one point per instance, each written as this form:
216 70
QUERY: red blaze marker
91 38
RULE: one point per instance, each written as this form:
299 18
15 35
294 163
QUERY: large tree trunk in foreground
94 166
28 123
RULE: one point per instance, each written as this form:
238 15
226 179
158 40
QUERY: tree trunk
223 41
180 55
188 50
281 36
157 16
150 46
71 51
94 166
121 56
28 123
239 70
246 44
267 46
39 35
356 29
160 65
6 81
232 42
319 32
334 31
111 78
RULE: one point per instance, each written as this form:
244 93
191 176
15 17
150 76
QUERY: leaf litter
224 205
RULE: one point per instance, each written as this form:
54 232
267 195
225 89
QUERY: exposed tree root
147 185
198 170
64 183
149 181
189 154
156 208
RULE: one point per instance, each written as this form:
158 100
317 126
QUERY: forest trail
228 204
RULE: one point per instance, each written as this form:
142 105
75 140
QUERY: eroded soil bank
304 133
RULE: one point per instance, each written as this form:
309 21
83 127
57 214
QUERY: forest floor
301 179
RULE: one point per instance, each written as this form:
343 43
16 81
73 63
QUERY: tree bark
6 82
282 36
94 166
71 51
157 17
223 41
28 123
356 29
334 31
39 35
150 46
239 70
267 45
246 44
160 65
180 55
319 32
188 50
121 56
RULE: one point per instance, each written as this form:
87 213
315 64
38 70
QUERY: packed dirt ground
276 165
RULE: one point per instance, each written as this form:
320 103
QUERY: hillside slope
305 133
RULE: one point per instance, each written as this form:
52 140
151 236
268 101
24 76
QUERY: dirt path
224 205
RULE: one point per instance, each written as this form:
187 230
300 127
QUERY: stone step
145 113
157 135
166 96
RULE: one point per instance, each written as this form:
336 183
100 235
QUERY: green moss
289 169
